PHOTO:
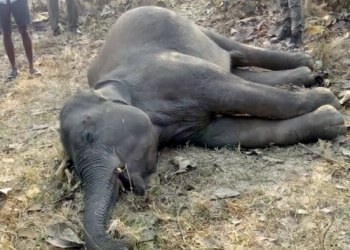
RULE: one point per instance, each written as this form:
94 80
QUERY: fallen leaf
314 30
338 141
236 222
107 11
340 187
3 194
302 211
148 245
60 243
32 191
9 94
60 235
37 112
153 180
40 127
346 85
26 233
8 160
147 235
318 64
184 165
326 210
12 147
25 244
233 31
5 191
324 148
254 152
21 198
272 160
262 25
308 223
346 61
36 207
262 218
339 25
223 193
262 238
232 237
330 20
345 151
327 83
43 16
345 97
6 178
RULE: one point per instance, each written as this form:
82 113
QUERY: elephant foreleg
324 123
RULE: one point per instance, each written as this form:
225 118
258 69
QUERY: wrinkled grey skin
158 80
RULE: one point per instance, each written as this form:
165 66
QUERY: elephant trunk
101 192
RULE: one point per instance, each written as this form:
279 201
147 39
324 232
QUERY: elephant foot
303 76
319 97
326 123
304 60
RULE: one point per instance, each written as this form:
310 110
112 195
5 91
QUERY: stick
127 171
325 232
178 222
131 189
323 156
59 172
219 167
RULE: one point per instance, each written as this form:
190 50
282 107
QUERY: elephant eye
88 136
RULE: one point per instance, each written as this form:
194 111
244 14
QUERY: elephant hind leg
323 123
243 55
300 76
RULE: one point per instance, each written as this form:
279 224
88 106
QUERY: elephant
161 80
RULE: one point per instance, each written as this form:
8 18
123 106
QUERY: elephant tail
101 192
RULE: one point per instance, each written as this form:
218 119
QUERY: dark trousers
72 10
291 12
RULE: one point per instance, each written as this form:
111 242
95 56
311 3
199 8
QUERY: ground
289 198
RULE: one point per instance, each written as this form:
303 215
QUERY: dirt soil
284 198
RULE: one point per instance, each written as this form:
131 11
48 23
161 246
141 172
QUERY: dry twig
61 169
178 222
323 240
321 155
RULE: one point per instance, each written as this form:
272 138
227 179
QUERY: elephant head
104 139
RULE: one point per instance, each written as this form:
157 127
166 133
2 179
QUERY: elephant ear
112 91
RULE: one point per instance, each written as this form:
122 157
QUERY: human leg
286 22
21 13
73 16
5 16
53 8
297 23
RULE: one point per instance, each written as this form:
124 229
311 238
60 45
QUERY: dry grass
332 48
302 203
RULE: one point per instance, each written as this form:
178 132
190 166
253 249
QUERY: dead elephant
158 80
